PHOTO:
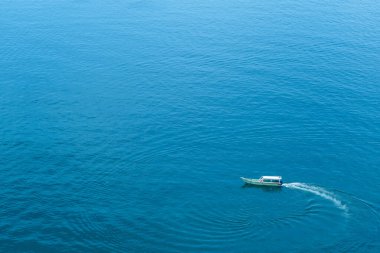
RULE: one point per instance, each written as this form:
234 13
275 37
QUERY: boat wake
320 192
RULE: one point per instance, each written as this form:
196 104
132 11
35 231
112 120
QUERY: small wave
318 191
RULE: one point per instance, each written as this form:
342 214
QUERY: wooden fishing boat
264 181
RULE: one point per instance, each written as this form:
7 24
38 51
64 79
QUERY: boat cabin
271 179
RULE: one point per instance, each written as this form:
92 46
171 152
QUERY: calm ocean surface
125 125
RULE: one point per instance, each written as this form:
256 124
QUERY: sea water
126 125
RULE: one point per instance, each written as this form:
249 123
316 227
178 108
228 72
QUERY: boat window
271 180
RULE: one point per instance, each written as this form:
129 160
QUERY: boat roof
272 177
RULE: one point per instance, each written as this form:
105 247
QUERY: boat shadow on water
263 188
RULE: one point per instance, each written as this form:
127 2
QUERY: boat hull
258 182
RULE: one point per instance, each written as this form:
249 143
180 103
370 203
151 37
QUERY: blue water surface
125 125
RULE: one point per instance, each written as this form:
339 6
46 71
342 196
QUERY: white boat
264 181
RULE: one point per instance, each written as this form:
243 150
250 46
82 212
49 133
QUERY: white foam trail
318 191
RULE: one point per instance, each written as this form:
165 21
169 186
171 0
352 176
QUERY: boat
264 181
